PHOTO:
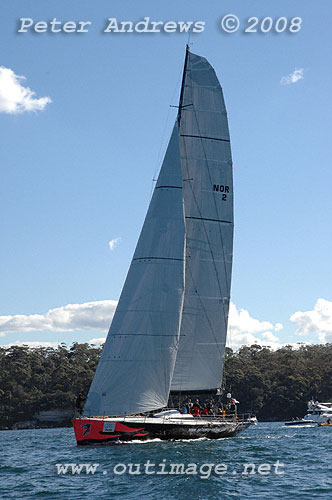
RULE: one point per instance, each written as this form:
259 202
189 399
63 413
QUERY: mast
182 85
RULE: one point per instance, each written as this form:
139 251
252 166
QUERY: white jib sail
208 205
136 366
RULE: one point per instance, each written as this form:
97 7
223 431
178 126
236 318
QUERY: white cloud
97 342
243 329
269 337
243 322
318 321
236 340
88 316
32 344
293 77
14 97
113 243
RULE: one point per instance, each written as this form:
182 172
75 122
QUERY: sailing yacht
169 330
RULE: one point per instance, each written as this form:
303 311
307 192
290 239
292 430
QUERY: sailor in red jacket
196 408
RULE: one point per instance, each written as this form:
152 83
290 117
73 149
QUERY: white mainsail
135 369
208 205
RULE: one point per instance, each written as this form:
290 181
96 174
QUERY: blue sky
79 173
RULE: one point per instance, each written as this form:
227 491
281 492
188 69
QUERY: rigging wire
163 145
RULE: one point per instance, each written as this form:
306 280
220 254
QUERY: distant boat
320 413
317 413
299 421
169 330
253 420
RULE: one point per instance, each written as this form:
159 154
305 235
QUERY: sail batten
204 137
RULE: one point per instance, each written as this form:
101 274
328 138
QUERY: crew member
196 408
189 406
79 405
232 408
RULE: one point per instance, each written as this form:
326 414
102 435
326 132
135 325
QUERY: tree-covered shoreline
275 385
44 378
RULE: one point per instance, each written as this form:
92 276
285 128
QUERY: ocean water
285 463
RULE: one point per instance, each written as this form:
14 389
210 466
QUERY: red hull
98 431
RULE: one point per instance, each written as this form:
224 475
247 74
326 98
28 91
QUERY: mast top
182 84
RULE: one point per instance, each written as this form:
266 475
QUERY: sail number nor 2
220 188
